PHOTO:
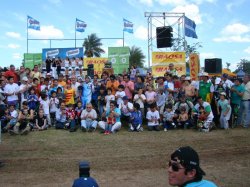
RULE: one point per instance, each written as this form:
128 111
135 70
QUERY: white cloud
231 5
119 43
236 32
236 29
16 56
141 32
192 11
247 50
15 35
147 2
172 2
13 46
207 55
46 32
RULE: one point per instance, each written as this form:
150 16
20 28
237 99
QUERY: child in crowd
136 119
140 98
32 99
110 122
160 102
53 106
40 121
70 116
120 94
45 105
153 118
226 110
170 99
109 98
5 118
150 95
11 116
201 118
168 117
101 100
78 111
60 95
183 118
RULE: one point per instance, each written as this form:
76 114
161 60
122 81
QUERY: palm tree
136 58
92 46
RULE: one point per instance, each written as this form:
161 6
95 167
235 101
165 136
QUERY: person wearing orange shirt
113 84
61 82
69 94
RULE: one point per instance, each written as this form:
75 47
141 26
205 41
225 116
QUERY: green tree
244 65
92 45
136 58
228 65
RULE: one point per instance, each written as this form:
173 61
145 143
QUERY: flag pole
75 34
123 39
27 38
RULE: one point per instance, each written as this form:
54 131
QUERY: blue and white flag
33 23
80 25
190 28
128 26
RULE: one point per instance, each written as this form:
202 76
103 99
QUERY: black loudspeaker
90 66
90 72
213 65
164 36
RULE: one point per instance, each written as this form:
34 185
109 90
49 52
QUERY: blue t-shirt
85 182
235 98
202 183
118 111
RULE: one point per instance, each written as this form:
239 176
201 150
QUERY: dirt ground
125 159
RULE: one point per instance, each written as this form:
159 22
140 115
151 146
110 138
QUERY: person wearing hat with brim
24 89
225 112
172 70
184 169
205 88
188 89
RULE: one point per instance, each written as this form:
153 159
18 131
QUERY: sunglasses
175 166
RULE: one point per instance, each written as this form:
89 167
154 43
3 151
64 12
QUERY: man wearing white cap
24 87
206 88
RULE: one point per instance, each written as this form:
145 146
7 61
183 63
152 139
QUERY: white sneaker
165 129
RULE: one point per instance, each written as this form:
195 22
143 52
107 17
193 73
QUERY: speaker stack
164 36
108 68
213 66
90 71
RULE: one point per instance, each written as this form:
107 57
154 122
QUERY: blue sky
223 27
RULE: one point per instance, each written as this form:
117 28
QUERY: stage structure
168 19
66 39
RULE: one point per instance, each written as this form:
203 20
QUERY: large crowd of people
39 99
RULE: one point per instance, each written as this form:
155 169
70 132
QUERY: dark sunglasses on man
175 166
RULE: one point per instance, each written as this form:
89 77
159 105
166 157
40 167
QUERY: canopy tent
224 71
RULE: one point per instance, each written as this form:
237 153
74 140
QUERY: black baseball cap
189 158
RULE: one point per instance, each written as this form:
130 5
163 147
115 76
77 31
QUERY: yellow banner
98 64
194 65
159 58
160 70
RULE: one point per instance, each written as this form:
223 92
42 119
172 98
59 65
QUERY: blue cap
125 98
85 182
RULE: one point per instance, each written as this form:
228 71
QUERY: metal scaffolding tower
160 19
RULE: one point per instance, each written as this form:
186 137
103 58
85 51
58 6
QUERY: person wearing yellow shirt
69 94
61 81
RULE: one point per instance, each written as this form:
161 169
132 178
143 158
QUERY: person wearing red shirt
12 73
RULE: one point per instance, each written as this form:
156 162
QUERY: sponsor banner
159 58
31 59
160 70
194 66
62 53
119 57
98 64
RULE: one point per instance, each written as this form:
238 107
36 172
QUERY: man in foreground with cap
184 169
